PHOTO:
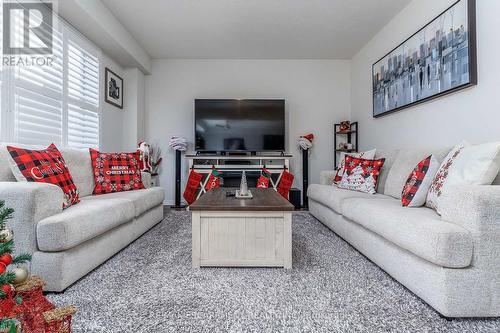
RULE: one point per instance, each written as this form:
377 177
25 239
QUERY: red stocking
285 184
192 185
213 180
263 181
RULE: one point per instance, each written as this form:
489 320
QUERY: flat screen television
225 125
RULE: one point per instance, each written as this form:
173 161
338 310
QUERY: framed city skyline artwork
438 59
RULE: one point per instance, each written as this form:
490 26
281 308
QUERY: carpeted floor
151 287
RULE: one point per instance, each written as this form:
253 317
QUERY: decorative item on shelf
179 144
243 192
348 130
438 59
345 126
305 142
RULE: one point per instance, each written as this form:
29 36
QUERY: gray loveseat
451 261
67 244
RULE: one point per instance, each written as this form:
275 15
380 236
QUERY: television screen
239 125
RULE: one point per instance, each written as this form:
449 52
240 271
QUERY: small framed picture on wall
113 88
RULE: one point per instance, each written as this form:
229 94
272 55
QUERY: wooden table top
264 199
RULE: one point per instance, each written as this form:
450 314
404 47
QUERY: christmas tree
9 302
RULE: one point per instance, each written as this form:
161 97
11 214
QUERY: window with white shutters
57 103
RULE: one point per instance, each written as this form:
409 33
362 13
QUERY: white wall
317 94
473 114
111 119
133 108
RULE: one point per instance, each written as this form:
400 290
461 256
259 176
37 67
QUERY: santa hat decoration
305 141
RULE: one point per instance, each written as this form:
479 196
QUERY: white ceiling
254 29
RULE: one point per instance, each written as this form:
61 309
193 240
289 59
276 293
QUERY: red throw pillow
115 172
418 183
45 166
361 175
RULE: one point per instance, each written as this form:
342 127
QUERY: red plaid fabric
46 166
361 175
285 184
414 181
115 172
192 184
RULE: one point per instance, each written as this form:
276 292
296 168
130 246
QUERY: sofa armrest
327 177
477 209
146 179
32 202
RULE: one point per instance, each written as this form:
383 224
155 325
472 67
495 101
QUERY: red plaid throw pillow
115 172
419 181
45 166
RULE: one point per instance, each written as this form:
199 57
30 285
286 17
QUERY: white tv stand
274 163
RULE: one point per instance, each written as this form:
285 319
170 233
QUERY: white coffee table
242 232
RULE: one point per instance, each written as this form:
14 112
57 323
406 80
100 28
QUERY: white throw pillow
367 155
465 165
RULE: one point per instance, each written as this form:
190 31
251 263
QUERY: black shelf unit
352 137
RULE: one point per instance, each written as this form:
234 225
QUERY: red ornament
3 268
8 289
6 259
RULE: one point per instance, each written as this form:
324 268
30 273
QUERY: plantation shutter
83 94
37 99
57 103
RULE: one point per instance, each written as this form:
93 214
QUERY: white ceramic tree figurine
243 185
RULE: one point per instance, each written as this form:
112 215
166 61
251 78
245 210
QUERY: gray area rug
151 287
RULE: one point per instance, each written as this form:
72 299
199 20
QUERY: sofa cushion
390 157
79 223
332 196
142 200
79 164
403 165
418 230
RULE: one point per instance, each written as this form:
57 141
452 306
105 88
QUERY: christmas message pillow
44 166
419 181
361 175
115 172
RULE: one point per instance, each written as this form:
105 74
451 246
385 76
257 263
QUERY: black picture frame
470 6
113 88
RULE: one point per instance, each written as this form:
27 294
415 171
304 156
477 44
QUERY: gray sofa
451 261
68 244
